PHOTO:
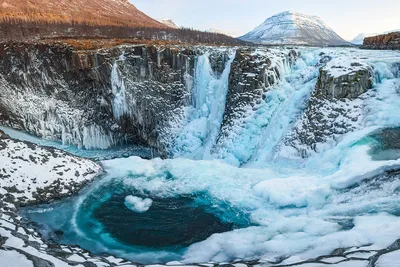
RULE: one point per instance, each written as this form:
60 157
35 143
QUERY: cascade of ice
203 77
206 113
120 106
265 125
382 109
285 104
219 89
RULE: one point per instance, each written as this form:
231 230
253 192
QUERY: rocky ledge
30 174
335 107
385 41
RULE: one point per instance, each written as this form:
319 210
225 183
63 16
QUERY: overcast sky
346 17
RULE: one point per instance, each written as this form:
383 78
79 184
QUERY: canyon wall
192 101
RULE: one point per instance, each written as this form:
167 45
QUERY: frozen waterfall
204 116
120 106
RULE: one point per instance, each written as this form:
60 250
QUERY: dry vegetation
27 20
91 12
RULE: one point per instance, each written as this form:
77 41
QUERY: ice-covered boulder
31 174
344 79
335 107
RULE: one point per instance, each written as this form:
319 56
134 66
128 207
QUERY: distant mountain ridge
294 28
389 41
92 12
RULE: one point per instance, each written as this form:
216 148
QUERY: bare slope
94 12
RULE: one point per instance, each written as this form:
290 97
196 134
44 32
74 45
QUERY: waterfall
204 116
285 104
219 89
120 106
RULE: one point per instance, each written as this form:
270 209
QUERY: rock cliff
254 72
158 96
384 41
56 92
99 98
335 107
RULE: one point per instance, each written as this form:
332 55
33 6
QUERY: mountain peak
291 27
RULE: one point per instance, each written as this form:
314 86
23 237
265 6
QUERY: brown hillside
385 41
93 12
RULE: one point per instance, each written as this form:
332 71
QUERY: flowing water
201 207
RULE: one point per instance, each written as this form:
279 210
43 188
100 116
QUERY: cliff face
179 99
99 98
254 72
81 97
338 80
385 41
335 107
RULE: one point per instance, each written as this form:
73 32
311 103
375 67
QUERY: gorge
284 152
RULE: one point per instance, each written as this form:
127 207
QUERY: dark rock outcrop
389 41
334 107
354 82
253 73
99 98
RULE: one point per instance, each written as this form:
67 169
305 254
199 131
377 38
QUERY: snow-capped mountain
169 23
294 28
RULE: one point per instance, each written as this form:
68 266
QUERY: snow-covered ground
36 174
33 174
